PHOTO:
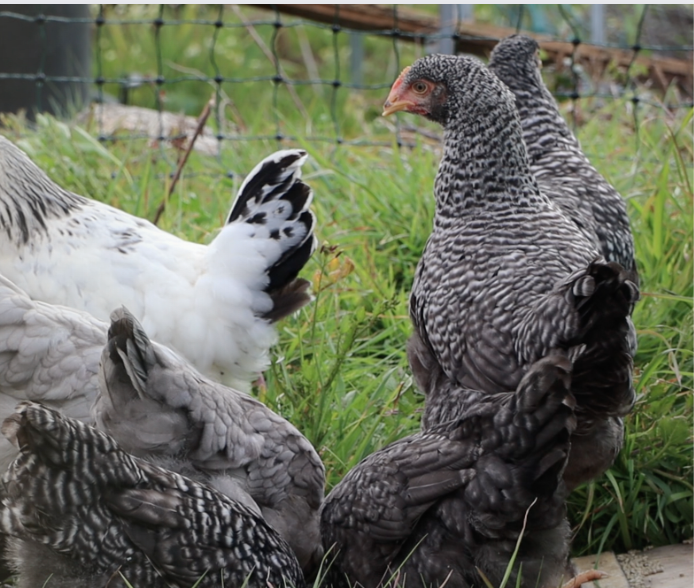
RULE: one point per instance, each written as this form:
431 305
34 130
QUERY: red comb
401 77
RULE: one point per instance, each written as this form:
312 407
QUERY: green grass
646 498
340 371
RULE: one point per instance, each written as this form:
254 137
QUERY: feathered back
48 354
83 513
563 171
158 407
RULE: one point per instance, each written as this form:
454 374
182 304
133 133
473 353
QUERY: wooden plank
605 562
479 38
677 562
671 566
363 17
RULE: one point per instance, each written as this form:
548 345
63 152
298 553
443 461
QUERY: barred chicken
506 278
156 407
64 249
83 513
562 170
432 509
160 408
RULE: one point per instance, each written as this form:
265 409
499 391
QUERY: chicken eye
420 88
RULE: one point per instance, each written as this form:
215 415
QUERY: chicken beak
391 107
394 101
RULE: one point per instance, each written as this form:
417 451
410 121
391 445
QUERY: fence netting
320 73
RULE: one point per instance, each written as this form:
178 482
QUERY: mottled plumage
562 170
64 249
48 354
428 509
82 513
160 408
506 277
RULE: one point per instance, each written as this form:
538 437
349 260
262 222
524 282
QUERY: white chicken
215 303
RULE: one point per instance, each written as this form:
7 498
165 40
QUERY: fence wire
264 66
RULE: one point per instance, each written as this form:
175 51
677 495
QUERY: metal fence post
448 22
466 11
356 58
597 24
35 46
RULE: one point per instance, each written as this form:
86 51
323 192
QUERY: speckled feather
428 509
48 354
64 249
505 276
159 408
562 170
85 514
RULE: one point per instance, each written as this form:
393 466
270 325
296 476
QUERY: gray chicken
432 508
506 277
160 408
157 407
562 170
82 513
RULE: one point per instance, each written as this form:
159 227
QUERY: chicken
160 408
82 513
48 354
156 407
64 249
432 508
562 170
506 278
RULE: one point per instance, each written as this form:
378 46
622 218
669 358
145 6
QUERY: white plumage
214 304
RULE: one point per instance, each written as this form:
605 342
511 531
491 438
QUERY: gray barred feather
503 273
157 407
562 170
432 507
85 514
48 354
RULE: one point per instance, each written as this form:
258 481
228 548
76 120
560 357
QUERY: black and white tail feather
274 197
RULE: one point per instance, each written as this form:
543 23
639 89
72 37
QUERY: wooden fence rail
478 39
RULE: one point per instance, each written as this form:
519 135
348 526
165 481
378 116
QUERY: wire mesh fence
322 76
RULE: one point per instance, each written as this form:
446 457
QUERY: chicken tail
132 405
128 352
528 441
518 487
274 197
604 297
